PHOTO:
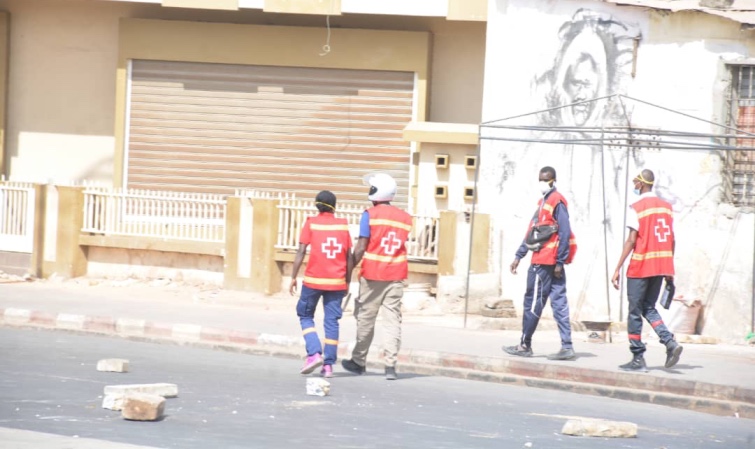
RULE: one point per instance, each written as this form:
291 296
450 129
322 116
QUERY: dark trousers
305 308
541 285
642 295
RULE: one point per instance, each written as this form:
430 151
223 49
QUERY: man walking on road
553 244
383 231
651 243
327 275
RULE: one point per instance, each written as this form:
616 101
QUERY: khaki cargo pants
373 297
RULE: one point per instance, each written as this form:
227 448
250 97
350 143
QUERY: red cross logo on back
662 230
331 248
390 243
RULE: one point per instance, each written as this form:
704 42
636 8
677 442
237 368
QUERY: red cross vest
653 253
548 253
330 242
385 257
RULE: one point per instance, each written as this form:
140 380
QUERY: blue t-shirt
364 225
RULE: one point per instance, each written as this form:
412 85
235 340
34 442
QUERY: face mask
636 192
545 187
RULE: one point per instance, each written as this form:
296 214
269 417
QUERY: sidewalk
717 379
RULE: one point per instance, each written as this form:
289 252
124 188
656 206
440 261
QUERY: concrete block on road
160 389
586 427
143 407
113 365
113 402
318 387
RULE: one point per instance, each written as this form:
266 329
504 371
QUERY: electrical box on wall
441 191
470 162
468 193
441 160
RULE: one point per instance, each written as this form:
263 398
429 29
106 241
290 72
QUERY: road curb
699 396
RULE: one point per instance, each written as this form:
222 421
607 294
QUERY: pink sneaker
312 363
327 371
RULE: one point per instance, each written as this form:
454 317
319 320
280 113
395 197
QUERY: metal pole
626 205
605 233
471 226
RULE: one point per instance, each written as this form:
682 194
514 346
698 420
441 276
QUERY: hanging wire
326 47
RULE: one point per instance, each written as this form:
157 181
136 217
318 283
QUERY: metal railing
292 213
17 216
162 214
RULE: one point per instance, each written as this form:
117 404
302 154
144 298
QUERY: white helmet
382 187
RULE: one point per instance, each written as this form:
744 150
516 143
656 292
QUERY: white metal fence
264 194
17 216
163 214
422 243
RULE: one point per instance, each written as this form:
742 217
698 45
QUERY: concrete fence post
446 243
40 221
238 244
266 274
70 257
480 244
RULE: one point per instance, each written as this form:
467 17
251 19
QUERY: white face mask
636 192
545 187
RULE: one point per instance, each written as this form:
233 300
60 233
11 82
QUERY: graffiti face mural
593 59
586 55
581 83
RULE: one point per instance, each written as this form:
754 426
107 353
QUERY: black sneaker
637 364
390 373
673 352
352 367
519 350
563 354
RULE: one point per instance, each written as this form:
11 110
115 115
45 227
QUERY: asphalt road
48 383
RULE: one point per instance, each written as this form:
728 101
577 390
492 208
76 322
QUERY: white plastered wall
61 96
679 65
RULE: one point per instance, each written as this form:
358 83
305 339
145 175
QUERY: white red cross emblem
390 243
331 247
662 230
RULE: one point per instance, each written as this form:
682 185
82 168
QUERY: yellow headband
643 180
325 204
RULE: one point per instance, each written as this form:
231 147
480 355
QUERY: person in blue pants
327 275
553 245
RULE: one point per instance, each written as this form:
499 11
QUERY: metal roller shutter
215 128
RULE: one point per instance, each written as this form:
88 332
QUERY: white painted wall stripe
17 316
70 321
252 4
424 8
188 332
130 326
283 340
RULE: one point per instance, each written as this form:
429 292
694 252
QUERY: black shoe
637 364
519 350
563 354
390 373
352 367
673 352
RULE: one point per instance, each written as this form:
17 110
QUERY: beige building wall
62 80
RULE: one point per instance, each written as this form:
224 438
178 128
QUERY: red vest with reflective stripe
329 242
548 254
385 257
653 253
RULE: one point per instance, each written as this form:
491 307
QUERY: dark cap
326 201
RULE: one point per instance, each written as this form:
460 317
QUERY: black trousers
642 295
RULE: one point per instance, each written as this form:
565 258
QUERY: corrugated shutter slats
215 128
